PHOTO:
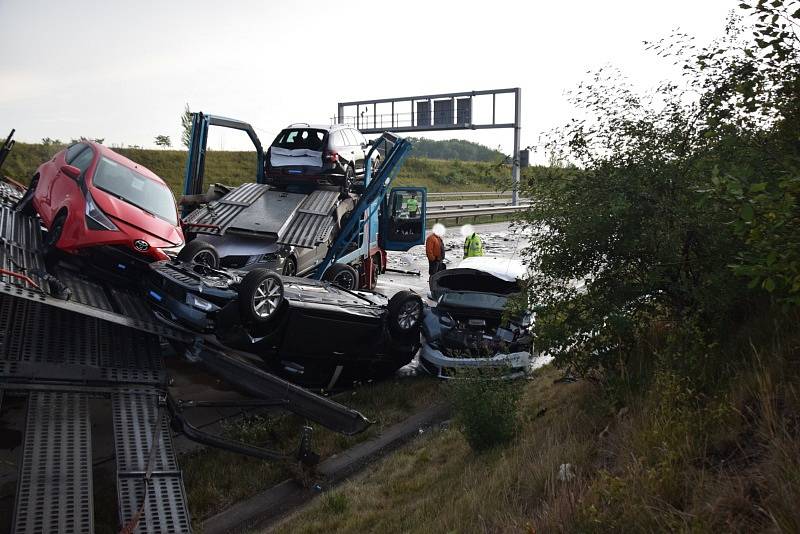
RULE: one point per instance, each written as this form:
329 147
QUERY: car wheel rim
267 298
408 315
204 257
345 280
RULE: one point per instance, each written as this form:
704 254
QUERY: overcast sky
124 70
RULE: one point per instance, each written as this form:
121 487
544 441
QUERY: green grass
664 463
216 479
238 167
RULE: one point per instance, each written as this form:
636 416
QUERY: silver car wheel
409 313
267 298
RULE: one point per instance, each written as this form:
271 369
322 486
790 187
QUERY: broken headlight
201 304
172 252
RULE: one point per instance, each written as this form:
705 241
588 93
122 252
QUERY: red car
89 196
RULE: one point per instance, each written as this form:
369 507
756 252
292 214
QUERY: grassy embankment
238 167
655 462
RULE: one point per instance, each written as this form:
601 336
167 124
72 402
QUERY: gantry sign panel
445 111
436 112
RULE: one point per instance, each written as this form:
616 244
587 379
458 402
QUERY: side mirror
71 171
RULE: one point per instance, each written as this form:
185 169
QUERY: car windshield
134 188
300 138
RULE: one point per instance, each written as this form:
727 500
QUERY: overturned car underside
467 328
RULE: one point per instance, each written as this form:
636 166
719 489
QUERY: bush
680 211
486 408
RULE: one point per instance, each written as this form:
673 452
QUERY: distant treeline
237 167
454 149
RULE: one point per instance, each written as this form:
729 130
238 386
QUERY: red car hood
130 215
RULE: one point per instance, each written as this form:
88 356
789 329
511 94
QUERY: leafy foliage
486 406
163 141
186 126
681 211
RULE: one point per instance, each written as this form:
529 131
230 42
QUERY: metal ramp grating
85 291
215 218
245 194
20 246
54 489
136 413
313 223
76 347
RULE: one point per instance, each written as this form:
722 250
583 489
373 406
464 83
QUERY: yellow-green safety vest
412 205
473 246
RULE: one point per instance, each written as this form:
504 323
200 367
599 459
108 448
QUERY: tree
163 141
680 214
186 124
84 138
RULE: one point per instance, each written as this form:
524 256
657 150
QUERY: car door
67 192
49 173
360 151
350 148
400 229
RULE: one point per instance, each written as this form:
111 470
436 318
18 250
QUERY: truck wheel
200 252
260 295
405 313
349 178
54 233
342 275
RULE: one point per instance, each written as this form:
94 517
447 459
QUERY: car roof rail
299 123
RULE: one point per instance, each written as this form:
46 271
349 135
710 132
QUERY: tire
290 267
342 275
55 231
405 313
200 252
25 204
260 296
349 178
376 271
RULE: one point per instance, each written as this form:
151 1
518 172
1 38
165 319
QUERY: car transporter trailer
105 343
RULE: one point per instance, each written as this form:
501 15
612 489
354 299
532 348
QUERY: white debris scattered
566 473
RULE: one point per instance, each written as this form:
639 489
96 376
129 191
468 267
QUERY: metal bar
54 487
234 367
302 453
515 156
426 97
434 128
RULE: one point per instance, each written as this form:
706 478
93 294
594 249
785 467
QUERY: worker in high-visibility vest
473 246
412 205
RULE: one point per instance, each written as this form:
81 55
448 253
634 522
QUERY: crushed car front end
468 330
191 295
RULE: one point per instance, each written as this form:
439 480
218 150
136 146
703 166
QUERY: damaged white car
466 329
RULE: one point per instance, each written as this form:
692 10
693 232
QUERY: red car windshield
136 189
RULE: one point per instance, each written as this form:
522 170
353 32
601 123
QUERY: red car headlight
96 219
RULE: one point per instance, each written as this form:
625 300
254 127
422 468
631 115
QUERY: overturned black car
312 332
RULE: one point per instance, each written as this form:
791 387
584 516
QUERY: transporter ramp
60 357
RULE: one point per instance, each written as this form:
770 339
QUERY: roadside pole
515 155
